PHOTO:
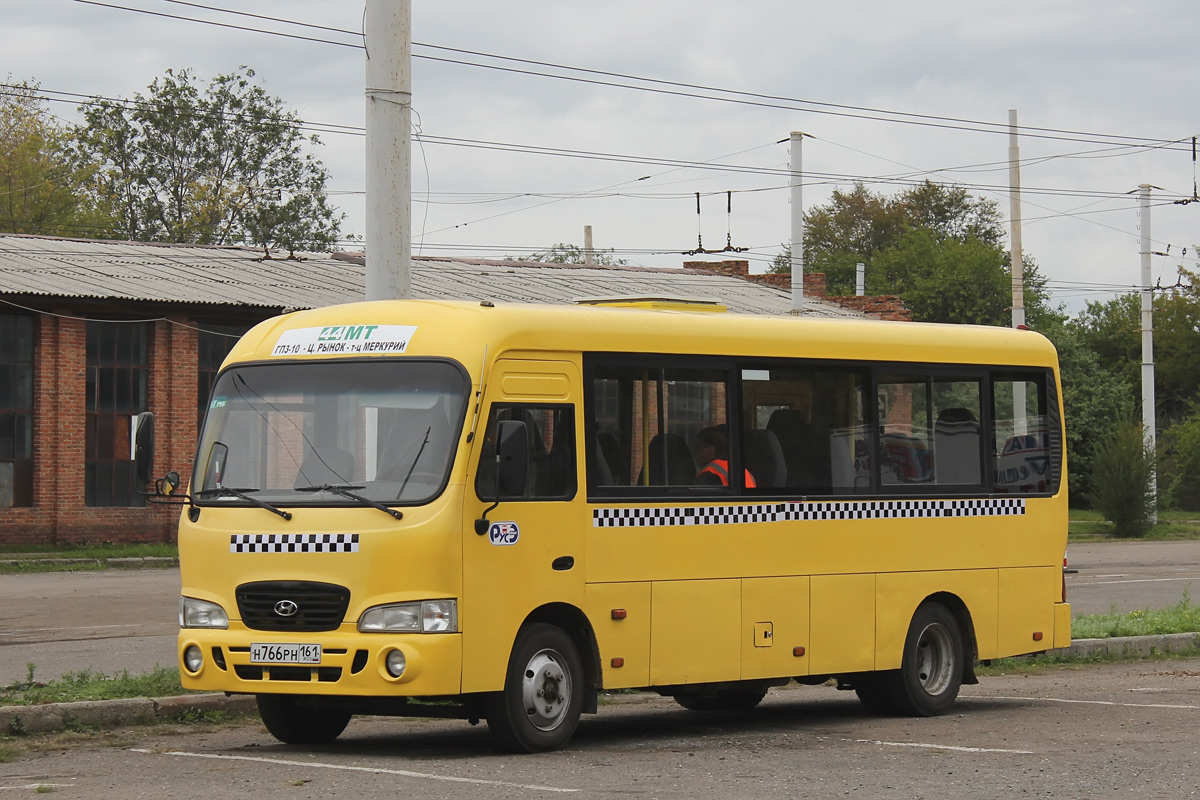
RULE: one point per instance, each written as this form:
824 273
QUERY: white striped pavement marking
1177 706
951 747
379 770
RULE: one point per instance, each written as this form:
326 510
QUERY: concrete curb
159 562
1131 645
88 714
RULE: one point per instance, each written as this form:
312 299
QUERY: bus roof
461 330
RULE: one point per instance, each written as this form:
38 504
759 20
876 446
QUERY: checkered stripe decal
293 543
780 512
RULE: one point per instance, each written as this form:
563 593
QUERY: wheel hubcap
935 659
546 690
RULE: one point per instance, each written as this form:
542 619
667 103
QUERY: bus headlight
195 613
428 616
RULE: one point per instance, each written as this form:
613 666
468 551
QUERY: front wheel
931 671
296 720
543 692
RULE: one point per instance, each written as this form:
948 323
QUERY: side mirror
512 449
143 447
169 483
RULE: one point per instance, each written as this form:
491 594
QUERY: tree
952 213
563 253
944 281
1179 473
220 164
858 225
39 191
936 246
1095 398
1112 329
1122 490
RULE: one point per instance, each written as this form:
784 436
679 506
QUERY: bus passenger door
531 552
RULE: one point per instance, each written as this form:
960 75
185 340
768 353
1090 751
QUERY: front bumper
352 663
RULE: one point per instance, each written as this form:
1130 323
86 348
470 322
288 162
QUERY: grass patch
1173 526
26 567
89 685
41 558
1182 617
1032 665
99 550
8 754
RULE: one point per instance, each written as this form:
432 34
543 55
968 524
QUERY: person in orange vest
712 456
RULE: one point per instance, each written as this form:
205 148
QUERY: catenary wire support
728 248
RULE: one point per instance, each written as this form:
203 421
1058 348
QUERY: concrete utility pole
1014 215
1148 416
387 28
587 246
1017 257
797 223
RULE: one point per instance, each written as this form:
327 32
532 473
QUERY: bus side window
551 437
1021 435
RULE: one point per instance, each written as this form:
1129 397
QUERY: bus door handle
563 563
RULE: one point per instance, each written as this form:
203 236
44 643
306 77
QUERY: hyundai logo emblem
286 608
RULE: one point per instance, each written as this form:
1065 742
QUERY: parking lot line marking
955 748
1079 584
382 770
1178 706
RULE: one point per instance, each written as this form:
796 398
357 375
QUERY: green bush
1122 480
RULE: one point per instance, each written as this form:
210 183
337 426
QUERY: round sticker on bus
504 533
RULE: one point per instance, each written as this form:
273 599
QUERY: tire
294 719
931 671
723 700
543 692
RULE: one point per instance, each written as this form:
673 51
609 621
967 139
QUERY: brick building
94 332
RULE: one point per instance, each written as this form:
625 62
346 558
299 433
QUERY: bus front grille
300 606
253 672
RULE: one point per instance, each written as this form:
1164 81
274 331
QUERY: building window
214 343
16 410
117 390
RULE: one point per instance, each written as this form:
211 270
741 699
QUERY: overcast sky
1109 82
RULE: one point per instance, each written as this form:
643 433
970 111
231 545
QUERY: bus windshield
331 433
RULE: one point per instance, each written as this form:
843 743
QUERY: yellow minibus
496 512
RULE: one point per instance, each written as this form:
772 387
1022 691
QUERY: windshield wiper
226 491
345 490
413 465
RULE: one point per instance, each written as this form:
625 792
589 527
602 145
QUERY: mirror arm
481 524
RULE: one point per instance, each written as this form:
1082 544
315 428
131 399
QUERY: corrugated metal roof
96 269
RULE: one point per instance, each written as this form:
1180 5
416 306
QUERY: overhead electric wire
752 98
1109 140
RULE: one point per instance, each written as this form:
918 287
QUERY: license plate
285 653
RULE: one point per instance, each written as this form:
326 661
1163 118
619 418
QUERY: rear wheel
722 700
931 672
299 720
543 692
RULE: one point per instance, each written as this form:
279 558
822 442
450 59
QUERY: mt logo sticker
504 533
